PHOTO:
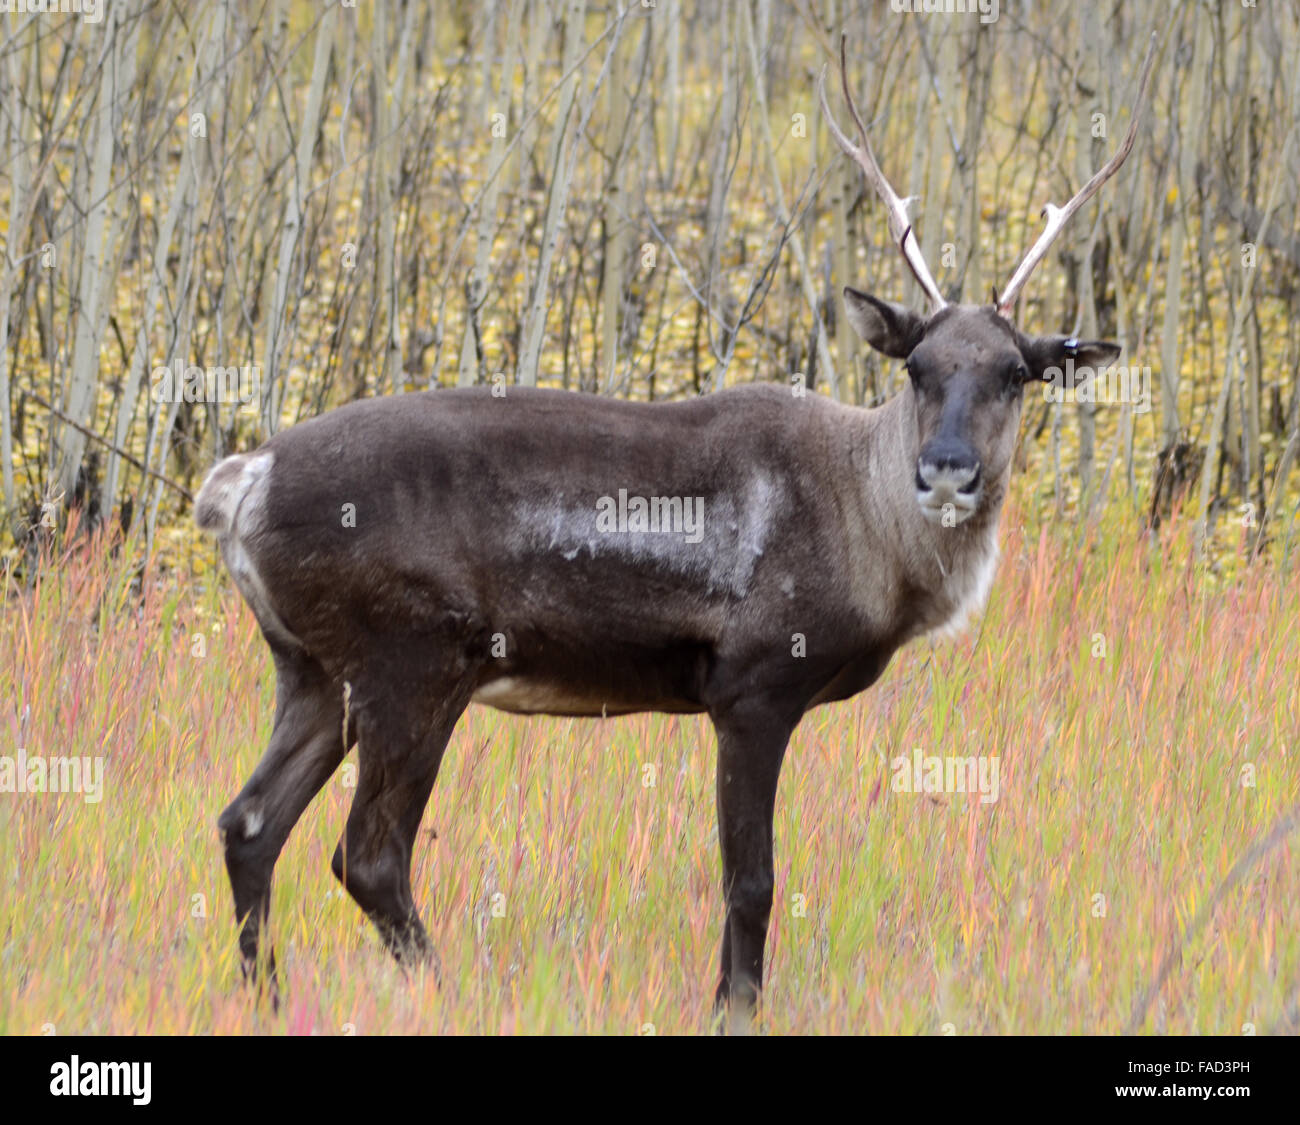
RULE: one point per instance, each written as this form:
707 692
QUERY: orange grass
570 888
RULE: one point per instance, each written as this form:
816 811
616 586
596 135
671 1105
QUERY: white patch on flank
735 529
760 504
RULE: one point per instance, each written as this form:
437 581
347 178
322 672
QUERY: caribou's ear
889 328
1048 355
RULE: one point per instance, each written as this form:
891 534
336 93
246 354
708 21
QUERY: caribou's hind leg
307 744
402 731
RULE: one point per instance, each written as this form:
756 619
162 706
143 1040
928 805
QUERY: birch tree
557 198
94 284
291 225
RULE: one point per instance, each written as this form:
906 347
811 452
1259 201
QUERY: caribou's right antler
900 226
1057 217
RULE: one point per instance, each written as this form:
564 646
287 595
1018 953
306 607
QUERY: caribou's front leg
751 745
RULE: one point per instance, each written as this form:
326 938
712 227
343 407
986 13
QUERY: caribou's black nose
948 478
950 457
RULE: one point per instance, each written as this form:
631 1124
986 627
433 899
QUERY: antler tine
1057 217
900 226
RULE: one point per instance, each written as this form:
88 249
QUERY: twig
1288 823
105 442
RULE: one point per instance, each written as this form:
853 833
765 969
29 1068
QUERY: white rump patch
233 501
225 487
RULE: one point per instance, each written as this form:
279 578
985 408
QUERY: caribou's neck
927 576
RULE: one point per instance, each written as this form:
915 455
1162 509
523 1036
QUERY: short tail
225 488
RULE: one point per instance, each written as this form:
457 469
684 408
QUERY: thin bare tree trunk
137 378
715 222
1254 372
387 162
1245 303
535 320
762 122
472 369
1189 129
615 224
673 107
291 230
95 283
11 83
1089 77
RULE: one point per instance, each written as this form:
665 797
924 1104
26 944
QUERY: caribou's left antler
900 226
1057 217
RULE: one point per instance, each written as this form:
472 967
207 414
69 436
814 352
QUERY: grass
568 869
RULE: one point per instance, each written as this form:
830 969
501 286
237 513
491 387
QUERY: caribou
409 555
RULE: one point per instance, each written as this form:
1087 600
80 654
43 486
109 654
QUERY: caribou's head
968 364
968 367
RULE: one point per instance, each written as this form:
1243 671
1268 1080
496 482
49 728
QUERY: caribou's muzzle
948 482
